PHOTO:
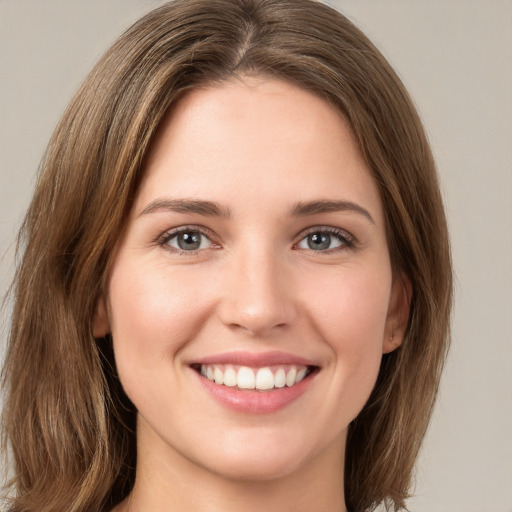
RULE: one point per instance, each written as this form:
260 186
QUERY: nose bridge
257 297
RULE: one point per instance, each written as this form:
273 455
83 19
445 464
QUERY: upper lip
255 360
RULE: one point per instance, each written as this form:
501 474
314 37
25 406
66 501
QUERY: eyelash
163 240
347 240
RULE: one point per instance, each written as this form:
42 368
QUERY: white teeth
262 379
290 377
280 378
246 378
230 377
218 376
300 375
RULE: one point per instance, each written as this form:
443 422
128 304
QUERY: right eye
187 240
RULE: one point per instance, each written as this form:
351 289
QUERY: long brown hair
66 420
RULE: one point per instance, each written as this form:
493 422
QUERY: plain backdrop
455 57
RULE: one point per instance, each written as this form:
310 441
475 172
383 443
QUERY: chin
264 456
259 467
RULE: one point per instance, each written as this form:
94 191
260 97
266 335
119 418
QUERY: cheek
152 316
350 315
350 306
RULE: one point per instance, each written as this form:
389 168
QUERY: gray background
455 57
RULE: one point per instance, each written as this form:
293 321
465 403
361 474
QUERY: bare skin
286 252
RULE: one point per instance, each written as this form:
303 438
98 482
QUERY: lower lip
253 401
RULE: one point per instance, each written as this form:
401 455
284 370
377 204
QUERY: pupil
189 241
319 241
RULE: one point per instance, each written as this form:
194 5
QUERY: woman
237 228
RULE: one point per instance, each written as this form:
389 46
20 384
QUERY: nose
258 298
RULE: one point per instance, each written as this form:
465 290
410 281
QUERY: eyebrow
212 209
207 208
304 209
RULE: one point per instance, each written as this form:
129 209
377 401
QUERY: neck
168 481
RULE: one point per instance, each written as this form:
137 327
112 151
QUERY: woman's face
255 254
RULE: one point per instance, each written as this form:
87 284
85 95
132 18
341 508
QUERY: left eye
323 241
190 240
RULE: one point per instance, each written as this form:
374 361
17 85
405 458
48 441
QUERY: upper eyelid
327 229
169 233
163 240
214 238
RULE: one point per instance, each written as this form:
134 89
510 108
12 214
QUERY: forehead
264 133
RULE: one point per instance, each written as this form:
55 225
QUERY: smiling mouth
267 378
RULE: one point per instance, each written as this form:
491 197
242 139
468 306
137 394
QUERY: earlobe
398 313
101 325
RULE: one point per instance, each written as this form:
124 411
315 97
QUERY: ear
398 313
101 325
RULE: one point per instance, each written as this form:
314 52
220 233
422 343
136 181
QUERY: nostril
255 327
